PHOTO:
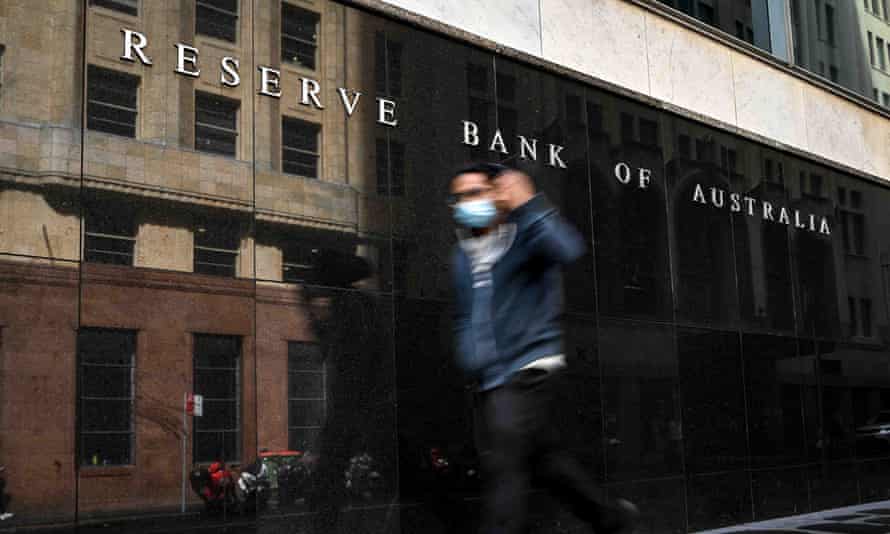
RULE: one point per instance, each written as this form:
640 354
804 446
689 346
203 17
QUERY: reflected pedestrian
508 307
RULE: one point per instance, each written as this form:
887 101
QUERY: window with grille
217 18
106 363
388 65
306 393
300 147
130 7
217 243
299 36
217 377
112 101
216 124
390 167
109 234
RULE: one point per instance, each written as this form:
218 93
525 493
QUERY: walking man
507 270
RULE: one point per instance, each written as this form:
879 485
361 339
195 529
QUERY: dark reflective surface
290 262
641 410
719 500
713 401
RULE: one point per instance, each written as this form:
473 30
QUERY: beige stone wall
40 129
638 49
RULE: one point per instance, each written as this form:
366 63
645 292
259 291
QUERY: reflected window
829 24
112 101
217 243
216 124
684 146
217 18
106 361
480 105
2 52
852 222
882 53
866 317
306 392
860 317
299 35
217 364
627 128
297 263
390 167
109 234
594 117
887 100
388 65
871 49
477 77
130 7
300 147
649 132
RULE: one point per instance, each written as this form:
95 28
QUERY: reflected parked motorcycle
223 490
214 484
252 487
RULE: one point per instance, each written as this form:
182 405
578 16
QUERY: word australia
135 44
739 203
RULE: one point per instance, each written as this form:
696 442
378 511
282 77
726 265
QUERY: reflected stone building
244 200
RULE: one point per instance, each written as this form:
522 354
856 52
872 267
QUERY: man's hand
512 189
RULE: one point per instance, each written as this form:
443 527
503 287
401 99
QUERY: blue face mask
475 213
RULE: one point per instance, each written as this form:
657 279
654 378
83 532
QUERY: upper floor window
299 35
852 221
112 101
217 18
107 360
829 24
871 49
217 243
390 167
882 53
216 124
297 263
388 64
109 234
299 147
130 7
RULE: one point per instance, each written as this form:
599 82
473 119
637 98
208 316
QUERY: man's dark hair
489 169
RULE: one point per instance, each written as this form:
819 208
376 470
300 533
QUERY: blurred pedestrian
507 270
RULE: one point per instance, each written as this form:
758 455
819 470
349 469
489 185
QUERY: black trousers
522 446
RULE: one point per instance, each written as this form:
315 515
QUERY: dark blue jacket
525 296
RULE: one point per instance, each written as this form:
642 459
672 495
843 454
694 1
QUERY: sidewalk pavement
872 518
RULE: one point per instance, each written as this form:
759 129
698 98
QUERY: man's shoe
4 517
624 521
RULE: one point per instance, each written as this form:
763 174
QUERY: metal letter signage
134 49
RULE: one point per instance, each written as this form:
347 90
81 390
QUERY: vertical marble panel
602 38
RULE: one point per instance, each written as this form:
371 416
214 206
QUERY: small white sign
198 405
